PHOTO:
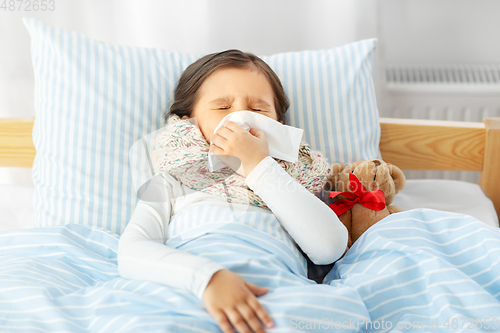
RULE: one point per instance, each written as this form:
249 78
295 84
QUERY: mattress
16 201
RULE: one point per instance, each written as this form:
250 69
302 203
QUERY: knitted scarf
182 151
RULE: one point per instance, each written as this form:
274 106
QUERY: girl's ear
185 117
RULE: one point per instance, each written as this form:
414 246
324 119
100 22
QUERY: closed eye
224 107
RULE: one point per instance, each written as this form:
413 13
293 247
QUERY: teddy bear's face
373 175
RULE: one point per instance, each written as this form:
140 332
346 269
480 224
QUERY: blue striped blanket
418 271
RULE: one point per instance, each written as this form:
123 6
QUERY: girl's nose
240 106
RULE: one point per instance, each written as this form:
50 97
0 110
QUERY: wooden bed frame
408 143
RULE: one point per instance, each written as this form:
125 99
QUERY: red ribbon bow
373 200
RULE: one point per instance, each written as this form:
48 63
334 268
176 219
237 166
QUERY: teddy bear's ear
350 167
333 177
398 177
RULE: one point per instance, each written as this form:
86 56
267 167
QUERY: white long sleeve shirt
143 255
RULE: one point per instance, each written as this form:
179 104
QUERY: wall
441 31
436 32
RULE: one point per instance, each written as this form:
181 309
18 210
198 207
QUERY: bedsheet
16 207
423 265
449 195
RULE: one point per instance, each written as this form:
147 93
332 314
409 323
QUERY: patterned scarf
182 151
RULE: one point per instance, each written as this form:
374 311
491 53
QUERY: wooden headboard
408 143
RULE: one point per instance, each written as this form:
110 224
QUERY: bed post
490 175
16 142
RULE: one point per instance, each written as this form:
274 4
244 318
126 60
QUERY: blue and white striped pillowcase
94 100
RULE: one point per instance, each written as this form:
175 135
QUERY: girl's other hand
230 299
250 147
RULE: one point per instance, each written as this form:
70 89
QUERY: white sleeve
143 255
310 222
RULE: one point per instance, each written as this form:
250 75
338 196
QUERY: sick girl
232 242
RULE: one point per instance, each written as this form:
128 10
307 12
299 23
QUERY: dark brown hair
186 92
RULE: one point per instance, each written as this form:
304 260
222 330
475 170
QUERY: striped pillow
94 100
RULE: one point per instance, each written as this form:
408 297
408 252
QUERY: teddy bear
361 193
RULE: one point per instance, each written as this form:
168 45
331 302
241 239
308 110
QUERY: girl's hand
229 298
250 147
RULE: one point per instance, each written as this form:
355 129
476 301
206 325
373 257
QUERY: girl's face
228 90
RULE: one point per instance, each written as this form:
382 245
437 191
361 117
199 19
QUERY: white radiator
443 92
